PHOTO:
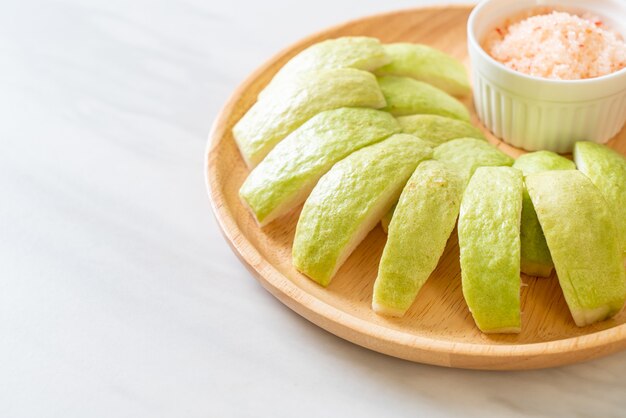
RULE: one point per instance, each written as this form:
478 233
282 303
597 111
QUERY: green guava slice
606 169
436 129
358 52
489 242
287 175
406 96
465 155
583 240
427 64
538 161
349 200
422 222
536 259
290 104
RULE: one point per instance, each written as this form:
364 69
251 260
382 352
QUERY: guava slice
290 104
422 222
287 175
583 240
465 155
427 64
436 129
406 96
536 260
538 161
349 201
358 52
606 169
489 242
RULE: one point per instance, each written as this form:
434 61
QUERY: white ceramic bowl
537 113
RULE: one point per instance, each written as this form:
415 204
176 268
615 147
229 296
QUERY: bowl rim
474 44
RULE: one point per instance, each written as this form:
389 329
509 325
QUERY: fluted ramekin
536 113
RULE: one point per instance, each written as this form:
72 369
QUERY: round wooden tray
438 329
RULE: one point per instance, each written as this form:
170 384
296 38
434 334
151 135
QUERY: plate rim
359 331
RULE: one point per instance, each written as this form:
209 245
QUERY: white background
118 295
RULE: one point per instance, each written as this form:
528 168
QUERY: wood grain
438 329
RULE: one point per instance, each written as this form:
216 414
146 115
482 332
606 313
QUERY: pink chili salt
558 45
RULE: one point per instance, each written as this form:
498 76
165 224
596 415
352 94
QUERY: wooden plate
438 329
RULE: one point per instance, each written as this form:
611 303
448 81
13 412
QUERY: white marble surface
118 295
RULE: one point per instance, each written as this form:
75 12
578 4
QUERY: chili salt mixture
558 45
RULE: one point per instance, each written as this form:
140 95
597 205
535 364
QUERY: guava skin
427 64
406 96
284 179
489 243
423 220
536 259
465 155
293 102
606 169
583 240
349 200
358 52
436 129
